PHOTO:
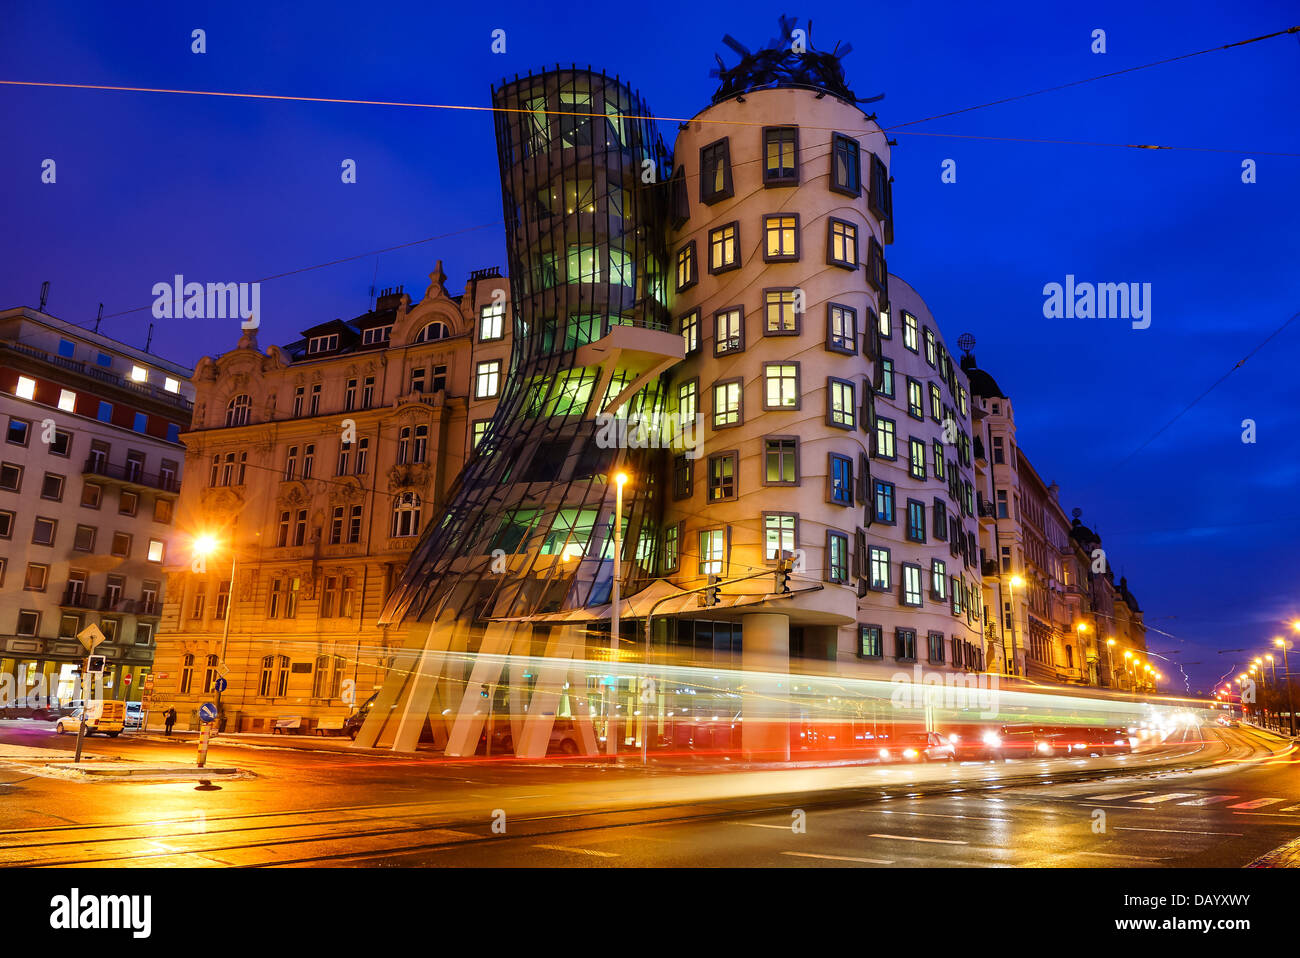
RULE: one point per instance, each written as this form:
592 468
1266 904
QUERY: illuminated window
780 385
724 248
139 374
841 328
713 544
728 331
715 172
781 155
26 388
780 316
841 407
837 557
842 244
781 238
67 400
779 534
487 379
727 410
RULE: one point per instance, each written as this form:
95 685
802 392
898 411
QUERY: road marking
841 858
973 818
1133 858
1289 808
1113 798
1174 831
1257 803
1210 800
1156 799
784 828
577 851
913 838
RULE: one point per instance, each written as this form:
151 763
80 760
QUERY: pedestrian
169 719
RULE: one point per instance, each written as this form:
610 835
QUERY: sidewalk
60 763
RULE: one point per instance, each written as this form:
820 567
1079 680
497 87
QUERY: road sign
90 637
208 712
95 663
126 679
223 668
148 682
221 685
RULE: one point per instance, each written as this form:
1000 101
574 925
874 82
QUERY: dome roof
981 383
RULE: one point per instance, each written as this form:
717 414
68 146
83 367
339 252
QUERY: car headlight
992 739
884 753
1045 748
954 739
910 753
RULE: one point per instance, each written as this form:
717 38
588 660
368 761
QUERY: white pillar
765 729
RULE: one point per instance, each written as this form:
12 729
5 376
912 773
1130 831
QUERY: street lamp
1014 583
204 546
1110 658
1286 671
620 479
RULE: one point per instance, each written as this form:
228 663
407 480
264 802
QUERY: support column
765 709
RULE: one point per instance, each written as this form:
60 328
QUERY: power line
1100 76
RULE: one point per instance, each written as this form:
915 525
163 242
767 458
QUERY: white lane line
1289 808
1210 800
1132 858
973 818
841 858
913 838
1172 831
1156 799
577 851
1113 798
1257 803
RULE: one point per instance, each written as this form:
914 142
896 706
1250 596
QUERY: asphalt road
1230 796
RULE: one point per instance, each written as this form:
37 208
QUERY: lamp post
205 546
611 727
1281 643
1110 659
1081 628
1013 665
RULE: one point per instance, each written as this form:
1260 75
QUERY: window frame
779 179
831 223
769 229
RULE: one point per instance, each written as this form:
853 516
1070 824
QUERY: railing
989 568
148 607
104 375
988 510
78 599
101 467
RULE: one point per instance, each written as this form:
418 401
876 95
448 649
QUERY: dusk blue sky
1204 526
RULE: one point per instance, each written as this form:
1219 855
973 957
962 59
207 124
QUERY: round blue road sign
221 685
207 712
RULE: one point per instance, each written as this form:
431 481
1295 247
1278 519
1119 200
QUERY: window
722 477
905 644
363 452
957 593
886 377
672 551
842 244
781 156
840 471
43 531
934 646
417 380
26 388
156 550
841 328
691 331
238 410
223 600
105 412
487 379
18 432
38 576
999 453
727 404
492 321
687 267
837 557
781 461
68 400
52 487
841 408
915 521
909 332
298 394
291 463
323 344
11 477
729 331
91 494
354 525
300 527
336 526
683 477
715 172
345 456
915 399
6 524
886 324
84 539
781 238
313 406
846 165
430 333
141 422
880 199
62 445
916 463
376 334
713 544
479 431
438 381
308 458
780 386
688 401
724 248
29 622
121 545
187 674
936 402
368 392
885 439
779 534
938 459
884 496
929 346
127 503
780 312
938 580
940 526
1002 503
200 603
406 515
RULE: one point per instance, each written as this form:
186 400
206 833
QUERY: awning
661 596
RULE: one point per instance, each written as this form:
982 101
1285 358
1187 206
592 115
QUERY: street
1205 797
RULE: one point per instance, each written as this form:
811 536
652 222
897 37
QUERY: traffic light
95 663
783 570
713 594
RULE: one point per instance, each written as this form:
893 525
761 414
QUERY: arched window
406 515
187 673
237 410
433 331
210 674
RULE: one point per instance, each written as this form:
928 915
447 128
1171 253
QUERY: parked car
102 715
134 715
916 747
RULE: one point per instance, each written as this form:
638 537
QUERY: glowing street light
620 480
1015 582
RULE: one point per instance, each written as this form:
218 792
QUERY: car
102 715
134 715
916 747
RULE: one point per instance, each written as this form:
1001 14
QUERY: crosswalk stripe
1156 799
1114 798
1210 800
1257 803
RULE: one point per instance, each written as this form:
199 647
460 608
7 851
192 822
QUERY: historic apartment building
90 473
315 468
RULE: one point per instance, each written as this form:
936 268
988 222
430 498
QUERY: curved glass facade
528 528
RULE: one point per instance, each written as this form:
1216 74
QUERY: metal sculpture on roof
788 61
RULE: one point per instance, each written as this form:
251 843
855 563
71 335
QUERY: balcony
989 568
979 451
131 475
104 376
77 599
